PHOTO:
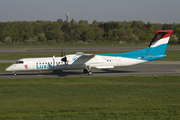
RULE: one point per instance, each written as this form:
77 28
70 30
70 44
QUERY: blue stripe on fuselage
147 54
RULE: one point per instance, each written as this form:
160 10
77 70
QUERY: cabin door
31 65
119 61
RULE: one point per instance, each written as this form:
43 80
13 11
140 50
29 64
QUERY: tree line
75 32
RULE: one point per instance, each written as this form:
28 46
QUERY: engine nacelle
67 59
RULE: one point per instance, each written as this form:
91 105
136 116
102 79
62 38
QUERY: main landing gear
88 70
85 71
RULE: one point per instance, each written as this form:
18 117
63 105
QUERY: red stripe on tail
165 33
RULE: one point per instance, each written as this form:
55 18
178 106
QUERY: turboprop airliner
86 62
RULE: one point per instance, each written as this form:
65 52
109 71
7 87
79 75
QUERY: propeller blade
64 59
61 54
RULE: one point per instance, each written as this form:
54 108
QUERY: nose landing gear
14 73
88 70
90 73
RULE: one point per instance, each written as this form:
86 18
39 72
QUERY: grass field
3 66
172 55
70 46
110 98
96 45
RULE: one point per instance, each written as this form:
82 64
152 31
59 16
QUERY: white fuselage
73 62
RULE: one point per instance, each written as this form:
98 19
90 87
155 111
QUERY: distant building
67 15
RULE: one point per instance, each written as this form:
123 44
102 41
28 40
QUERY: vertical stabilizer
159 43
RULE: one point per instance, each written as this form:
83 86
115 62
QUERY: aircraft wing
82 55
87 57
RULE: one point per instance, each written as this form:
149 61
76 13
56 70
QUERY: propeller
61 54
64 59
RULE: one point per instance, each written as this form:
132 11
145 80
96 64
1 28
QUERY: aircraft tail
159 43
155 50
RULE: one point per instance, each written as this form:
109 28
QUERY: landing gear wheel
85 71
90 73
14 73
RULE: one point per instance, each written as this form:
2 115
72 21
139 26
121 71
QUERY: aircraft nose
9 68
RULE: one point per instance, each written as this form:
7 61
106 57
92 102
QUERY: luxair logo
74 58
44 66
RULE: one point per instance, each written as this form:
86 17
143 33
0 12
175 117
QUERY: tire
85 71
90 73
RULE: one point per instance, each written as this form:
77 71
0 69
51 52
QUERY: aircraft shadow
26 74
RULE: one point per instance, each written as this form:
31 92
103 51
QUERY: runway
154 68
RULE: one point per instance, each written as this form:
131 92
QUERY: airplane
86 62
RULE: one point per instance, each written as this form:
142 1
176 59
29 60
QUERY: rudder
159 43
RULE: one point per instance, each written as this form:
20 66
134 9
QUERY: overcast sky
153 11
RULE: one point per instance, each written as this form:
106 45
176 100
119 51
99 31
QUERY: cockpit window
19 62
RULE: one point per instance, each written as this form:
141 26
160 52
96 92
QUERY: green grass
19 55
96 45
172 55
90 98
3 66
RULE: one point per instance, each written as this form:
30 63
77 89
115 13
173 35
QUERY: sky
153 11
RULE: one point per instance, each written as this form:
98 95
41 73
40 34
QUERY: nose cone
9 68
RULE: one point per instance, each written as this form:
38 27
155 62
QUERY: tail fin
159 43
